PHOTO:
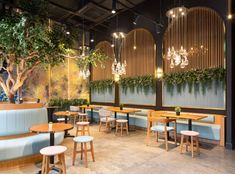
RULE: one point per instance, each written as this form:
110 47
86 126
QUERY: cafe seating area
117 87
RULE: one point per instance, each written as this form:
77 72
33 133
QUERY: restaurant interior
117 86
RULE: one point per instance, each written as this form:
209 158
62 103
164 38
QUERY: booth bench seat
206 127
26 146
16 141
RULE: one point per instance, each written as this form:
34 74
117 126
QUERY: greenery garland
140 83
203 77
101 86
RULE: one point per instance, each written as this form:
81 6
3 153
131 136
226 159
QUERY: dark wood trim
103 103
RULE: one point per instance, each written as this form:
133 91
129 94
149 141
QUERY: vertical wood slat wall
99 73
141 61
204 27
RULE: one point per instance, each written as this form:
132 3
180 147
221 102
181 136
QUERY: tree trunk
11 98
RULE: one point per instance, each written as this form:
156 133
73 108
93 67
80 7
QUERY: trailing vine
139 83
194 78
102 86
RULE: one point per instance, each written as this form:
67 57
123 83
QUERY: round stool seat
83 123
83 139
122 121
82 114
189 133
53 150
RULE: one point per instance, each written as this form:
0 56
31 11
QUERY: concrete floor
130 155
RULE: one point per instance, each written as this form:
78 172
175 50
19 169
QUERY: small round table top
65 113
56 127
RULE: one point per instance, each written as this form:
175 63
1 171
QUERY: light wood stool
193 136
53 151
82 117
82 127
122 125
83 140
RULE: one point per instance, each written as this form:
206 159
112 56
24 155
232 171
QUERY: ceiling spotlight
180 9
136 19
67 32
112 45
230 16
134 47
92 40
114 7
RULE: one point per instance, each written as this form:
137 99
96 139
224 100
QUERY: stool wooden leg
127 132
157 136
116 128
92 151
106 126
192 146
63 163
47 169
100 126
181 144
85 154
74 152
43 163
82 151
197 144
121 128
175 136
88 130
77 129
83 130
187 143
166 141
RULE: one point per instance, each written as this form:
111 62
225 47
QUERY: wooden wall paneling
99 73
204 28
141 61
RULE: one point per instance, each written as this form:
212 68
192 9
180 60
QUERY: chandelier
177 18
84 72
118 67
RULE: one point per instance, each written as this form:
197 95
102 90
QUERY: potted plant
177 110
121 106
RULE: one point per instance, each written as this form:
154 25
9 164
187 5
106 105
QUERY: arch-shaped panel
142 60
204 39
104 73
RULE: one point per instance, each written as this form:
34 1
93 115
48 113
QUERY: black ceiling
95 14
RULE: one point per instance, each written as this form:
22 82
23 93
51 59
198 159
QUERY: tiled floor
129 154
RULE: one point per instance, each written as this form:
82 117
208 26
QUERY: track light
92 40
67 32
136 19
114 7
230 16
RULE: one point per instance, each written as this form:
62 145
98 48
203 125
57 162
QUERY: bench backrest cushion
13 122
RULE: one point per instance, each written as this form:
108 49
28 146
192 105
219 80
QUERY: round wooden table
66 114
56 127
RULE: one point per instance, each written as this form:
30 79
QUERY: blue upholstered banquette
15 122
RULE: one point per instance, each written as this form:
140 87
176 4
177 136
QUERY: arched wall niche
99 73
142 60
205 32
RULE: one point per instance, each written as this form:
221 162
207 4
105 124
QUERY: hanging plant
102 86
194 78
94 57
139 83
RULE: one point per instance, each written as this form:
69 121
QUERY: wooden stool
122 125
53 151
82 117
84 128
83 140
194 136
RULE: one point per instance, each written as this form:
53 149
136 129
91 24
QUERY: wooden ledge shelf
9 106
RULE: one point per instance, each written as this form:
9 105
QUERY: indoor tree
27 41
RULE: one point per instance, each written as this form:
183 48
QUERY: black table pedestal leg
115 115
190 124
91 115
128 120
52 143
